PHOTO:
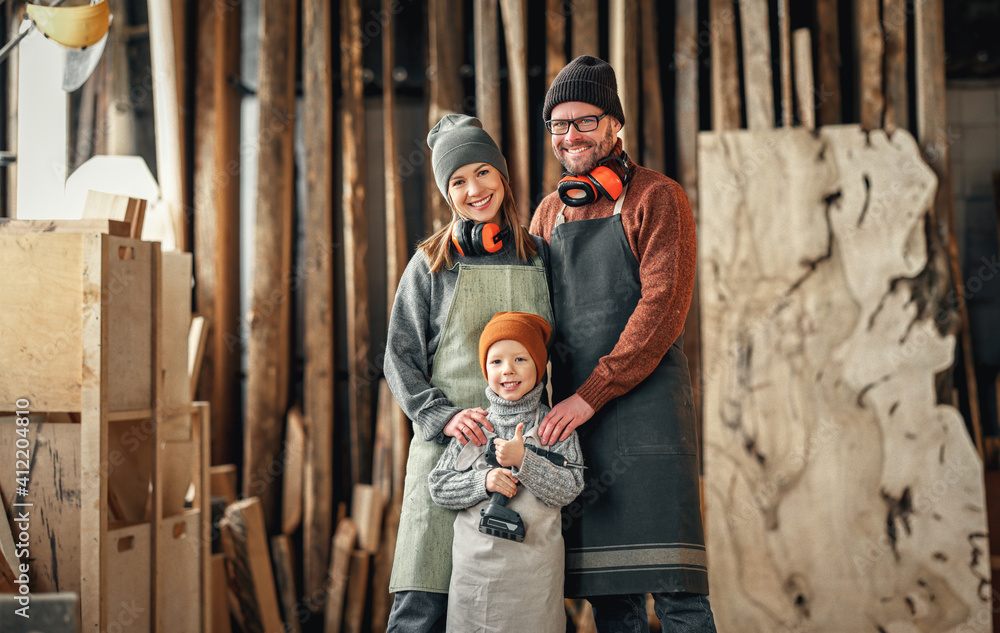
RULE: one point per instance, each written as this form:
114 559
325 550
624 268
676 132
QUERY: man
623 275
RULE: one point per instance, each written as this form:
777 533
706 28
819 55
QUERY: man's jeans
418 612
678 613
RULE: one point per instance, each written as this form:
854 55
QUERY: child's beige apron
423 548
499 585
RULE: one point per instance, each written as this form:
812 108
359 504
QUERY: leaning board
839 495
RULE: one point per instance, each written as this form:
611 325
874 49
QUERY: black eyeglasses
582 124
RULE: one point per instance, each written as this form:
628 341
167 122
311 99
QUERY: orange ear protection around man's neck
470 238
576 191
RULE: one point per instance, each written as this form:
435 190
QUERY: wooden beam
932 134
828 60
725 68
366 512
220 596
897 98
340 562
396 250
107 206
319 373
804 90
756 31
869 50
356 241
382 459
268 349
586 21
382 569
217 219
119 118
515 27
357 590
244 540
624 33
197 338
785 56
485 22
555 59
653 152
283 558
222 482
445 55
292 472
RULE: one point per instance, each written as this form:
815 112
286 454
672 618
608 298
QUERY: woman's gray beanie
458 140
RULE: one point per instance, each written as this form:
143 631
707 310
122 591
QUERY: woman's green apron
423 548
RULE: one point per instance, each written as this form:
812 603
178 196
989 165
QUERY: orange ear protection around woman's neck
470 238
576 191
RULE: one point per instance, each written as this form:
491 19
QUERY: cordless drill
497 519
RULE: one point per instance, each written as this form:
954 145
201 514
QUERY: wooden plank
268 347
797 445
487 56
175 328
397 254
357 590
219 596
897 98
756 33
119 117
686 61
515 28
366 512
785 56
129 315
216 218
382 569
555 59
932 134
283 557
725 68
12 226
244 540
129 579
108 206
869 51
828 61
167 116
382 460
340 561
586 20
356 242
444 55
292 473
804 89
624 57
318 379
203 501
223 482
177 587
197 340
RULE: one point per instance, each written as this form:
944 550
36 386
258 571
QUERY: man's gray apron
503 586
637 525
423 548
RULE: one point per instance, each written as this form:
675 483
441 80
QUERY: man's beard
603 150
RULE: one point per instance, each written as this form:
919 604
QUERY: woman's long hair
437 247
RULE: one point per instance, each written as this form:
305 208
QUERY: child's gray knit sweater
419 315
553 485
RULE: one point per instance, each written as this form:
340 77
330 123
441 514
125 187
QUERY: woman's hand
465 426
511 452
501 480
563 419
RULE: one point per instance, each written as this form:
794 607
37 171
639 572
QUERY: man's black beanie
587 79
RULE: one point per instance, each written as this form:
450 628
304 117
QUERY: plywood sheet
175 287
178 574
129 574
839 495
128 305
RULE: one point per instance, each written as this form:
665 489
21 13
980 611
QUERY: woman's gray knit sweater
419 314
553 485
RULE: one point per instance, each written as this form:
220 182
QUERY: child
481 263
497 584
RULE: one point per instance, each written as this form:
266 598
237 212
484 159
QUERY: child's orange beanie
528 329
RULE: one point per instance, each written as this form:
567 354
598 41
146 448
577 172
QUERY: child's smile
510 370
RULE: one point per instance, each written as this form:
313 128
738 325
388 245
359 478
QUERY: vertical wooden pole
754 26
356 241
869 49
828 98
653 152
486 21
319 384
395 220
555 59
268 349
725 78
785 55
444 21
217 218
894 17
515 33
804 79
932 134
585 19
624 33
119 118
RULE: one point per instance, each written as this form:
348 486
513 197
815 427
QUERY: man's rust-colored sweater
660 229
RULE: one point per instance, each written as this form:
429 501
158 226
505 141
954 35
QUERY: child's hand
501 480
511 452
